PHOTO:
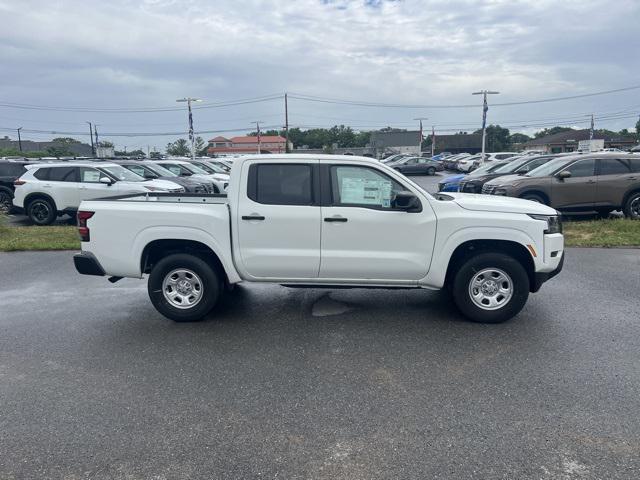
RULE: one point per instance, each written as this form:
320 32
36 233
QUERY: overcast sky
141 54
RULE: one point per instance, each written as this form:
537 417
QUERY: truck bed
122 227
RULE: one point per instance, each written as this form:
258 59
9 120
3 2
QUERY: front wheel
6 201
183 287
431 171
632 206
490 287
533 198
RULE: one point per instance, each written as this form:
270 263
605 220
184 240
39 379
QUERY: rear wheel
6 202
632 206
41 211
183 287
431 171
490 287
534 198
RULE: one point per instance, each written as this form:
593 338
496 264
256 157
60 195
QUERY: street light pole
191 136
485 107
19 139
421 137
258 133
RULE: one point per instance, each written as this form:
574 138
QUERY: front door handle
335 219
253 217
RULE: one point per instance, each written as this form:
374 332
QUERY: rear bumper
541 277
87 264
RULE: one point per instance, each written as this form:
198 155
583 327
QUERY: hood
223 177
161 184
498 203
505 179
452 179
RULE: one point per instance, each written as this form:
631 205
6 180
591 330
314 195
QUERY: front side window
90 175
362 186
176 169
613 166
582 168
279 184
120 173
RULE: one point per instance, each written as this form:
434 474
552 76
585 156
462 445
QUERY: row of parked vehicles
45 190
571 183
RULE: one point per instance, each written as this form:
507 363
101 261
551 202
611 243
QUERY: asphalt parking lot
290 383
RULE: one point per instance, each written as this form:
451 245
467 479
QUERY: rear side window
63 174
42 173
279 184
613 166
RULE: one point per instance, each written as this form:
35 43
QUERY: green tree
201 146
497 138
65 140
179 148
638 129
518 138
59 151
551 131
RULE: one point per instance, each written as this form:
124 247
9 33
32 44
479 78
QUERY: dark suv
474 183
600 182
10 171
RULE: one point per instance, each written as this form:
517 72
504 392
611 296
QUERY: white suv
48 190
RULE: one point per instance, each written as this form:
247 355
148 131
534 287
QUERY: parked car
10 171
600 182
187 169
417 166
153 171
452 182
466 164
210 167
290 211
474 182
395 158
450 162
48 190
491 157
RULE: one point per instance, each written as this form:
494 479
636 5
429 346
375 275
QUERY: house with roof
568 141
407 141
247 145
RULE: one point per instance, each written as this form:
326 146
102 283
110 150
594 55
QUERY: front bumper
87 264
541 277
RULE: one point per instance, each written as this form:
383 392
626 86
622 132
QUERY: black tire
6 201
472 269
534 198
41 211
431 171
632 206
208 279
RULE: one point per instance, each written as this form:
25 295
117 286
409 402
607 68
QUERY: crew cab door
363 236
577 192
278 220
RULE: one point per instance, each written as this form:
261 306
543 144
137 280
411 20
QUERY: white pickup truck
323 221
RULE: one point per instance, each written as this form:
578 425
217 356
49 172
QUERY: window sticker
90 176
366 191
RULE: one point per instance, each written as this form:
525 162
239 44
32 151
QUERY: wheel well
628 194
35 196
158 249
540 194
473 247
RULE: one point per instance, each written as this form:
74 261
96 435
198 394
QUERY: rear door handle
335 219
253 217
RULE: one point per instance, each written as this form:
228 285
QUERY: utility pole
19 138
191 136
93 148
433 140
258 133
95 131
591 131
485 107
286 124
421 137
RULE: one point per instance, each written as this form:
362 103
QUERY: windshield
160 170
121 173
490 167
194 169
548 168
513 165
210 168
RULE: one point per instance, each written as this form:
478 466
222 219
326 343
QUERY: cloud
129 53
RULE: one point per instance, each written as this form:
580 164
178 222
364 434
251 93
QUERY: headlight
500 191
554 224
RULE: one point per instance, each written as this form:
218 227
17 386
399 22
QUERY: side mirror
564 174
150 176
106 180
407 201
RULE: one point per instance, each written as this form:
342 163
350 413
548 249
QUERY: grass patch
618 232
38 238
